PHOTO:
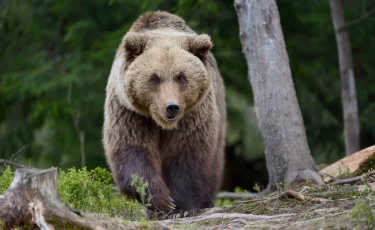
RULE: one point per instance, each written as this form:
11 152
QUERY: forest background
55 57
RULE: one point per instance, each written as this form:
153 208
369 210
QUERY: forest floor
345 201
309 207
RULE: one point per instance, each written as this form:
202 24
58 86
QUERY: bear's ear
134 44
200 45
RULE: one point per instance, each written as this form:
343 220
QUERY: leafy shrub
91 191
6 179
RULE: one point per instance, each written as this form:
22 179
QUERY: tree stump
32 198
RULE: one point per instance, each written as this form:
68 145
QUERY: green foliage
91 191
363 212
5 179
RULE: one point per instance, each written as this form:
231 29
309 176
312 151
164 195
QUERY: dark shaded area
244 173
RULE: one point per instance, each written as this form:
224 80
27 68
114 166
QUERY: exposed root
305 175
209 211
353 179
237 196
230 216
37 216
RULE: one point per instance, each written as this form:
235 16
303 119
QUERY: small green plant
91 191
344 172
141 188
363 212
257 188
6 179
280 187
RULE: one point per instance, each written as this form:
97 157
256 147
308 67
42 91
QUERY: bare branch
82 148
80 133
6 162
237 196
357 21
353 179
15 154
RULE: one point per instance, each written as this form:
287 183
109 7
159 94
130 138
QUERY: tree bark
287 153
348 91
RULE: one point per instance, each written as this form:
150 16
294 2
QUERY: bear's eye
181 79
154 80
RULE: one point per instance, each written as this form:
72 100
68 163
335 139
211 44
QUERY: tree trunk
348 91
287 153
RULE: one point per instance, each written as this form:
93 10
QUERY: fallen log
32 198
349 164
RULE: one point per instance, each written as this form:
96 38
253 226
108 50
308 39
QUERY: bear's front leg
137 160
190 180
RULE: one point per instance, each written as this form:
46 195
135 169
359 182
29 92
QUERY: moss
58 224
367 165
337 192
273 206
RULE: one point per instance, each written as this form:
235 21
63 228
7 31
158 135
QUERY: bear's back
160 20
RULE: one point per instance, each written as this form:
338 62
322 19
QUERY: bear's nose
172 108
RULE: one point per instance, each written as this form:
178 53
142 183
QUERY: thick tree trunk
348 91
287 153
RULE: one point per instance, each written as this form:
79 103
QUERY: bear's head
164 74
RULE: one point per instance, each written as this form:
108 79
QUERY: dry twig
358 20
237 196
300 196
353 179
6 162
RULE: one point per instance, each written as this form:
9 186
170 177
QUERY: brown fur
161 59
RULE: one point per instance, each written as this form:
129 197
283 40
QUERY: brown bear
165 116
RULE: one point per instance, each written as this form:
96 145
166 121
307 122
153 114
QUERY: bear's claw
179 214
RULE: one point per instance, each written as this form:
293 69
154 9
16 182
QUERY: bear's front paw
163 205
